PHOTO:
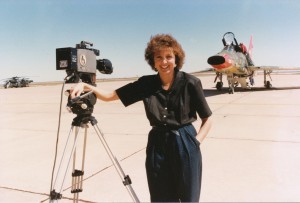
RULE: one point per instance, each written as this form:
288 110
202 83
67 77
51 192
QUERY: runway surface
251 154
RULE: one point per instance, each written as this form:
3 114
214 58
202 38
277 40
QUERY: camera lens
104 66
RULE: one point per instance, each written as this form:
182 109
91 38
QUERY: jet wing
271 68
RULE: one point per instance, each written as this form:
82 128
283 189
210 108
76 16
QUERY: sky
32 30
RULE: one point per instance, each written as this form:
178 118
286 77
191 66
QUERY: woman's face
164 61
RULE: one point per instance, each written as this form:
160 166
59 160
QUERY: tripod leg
125 178
63 156
73 151
83 153
77 175
57 195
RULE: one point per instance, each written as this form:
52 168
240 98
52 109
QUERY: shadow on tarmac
215 92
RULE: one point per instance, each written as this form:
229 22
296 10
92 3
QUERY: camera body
80 63
79 60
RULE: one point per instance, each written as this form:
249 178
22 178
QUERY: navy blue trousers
174 165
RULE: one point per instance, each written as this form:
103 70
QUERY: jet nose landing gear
219 86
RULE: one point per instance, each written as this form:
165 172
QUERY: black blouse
173 108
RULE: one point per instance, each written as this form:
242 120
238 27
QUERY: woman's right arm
102 95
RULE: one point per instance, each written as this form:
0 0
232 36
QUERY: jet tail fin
250 47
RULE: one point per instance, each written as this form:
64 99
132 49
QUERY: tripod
83 121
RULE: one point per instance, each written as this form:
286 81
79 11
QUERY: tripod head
83 104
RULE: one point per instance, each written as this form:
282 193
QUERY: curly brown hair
161 41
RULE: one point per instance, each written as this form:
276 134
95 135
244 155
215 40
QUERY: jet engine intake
216 60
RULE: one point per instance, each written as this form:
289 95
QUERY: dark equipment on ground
17 82
81 64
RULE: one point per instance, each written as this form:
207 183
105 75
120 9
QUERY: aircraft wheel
7 85
268 85
219 85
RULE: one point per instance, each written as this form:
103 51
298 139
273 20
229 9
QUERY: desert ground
251 154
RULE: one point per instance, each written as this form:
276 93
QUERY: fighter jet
235 61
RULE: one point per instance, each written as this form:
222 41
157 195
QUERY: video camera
80 63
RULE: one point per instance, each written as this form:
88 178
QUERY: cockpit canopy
230 43
229 39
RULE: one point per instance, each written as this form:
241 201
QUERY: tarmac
251 154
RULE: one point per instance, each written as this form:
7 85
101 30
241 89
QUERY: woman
172 100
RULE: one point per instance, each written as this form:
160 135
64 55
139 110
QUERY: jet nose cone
216 60
220 62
